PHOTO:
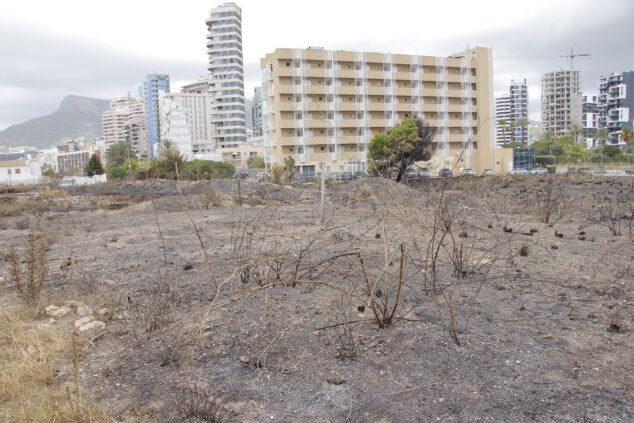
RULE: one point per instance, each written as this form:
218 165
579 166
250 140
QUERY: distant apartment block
513 110
197 114
224 44
257 112
324 106
199 87
590 117
125 120
73 160
153 86
616 103
561 101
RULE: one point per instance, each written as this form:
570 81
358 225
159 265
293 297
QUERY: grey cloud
43 69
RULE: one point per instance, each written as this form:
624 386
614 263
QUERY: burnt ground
277 323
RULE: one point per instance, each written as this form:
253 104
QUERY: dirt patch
277 318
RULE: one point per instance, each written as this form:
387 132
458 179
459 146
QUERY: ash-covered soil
243 296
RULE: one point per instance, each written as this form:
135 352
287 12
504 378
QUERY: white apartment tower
226 84
125 120
197 107
561 101
513 109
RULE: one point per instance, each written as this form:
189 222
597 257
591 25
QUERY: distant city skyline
50 50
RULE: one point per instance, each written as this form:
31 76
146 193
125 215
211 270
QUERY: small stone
441 400
96 324
73 303
83 311
83 321
51 321
60 312
31 349
245 359
104 314
335 380
2 279
51 308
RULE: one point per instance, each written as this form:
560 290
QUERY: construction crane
572 56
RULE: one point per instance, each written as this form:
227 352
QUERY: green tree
289 168
94 166
409 142
571 148
256 162
613 152
119 152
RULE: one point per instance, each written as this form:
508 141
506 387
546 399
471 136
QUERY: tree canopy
94 166
119 152
409 142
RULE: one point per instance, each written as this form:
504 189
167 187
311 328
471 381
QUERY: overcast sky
49 49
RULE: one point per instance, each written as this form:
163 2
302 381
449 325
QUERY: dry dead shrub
201 403
550 203
29 282
523 251
611 210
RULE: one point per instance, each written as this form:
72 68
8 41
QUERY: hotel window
359 99
330 132
388 115
329 98
387 83
298 98
386 67
330 115
331 148
300 149
360 115
328 64
358 82
328 81
297 63
298 80
388 99
299 132
298 115
360 131
357 65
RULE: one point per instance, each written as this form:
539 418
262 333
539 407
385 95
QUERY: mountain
75 117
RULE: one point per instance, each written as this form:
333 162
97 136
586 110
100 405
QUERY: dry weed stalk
30 281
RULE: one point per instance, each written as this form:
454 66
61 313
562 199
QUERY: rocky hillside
75 117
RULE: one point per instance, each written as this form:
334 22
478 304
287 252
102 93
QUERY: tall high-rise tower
153 85
561 101
512 108
226 75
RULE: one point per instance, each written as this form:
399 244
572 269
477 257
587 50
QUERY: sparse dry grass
36 383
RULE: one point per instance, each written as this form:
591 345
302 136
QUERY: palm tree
167 146
602 134
502 124
576 131
626 136
120 152
523 123
512 125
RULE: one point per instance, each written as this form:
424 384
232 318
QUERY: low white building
21 171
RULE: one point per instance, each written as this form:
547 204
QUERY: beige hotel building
324 106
